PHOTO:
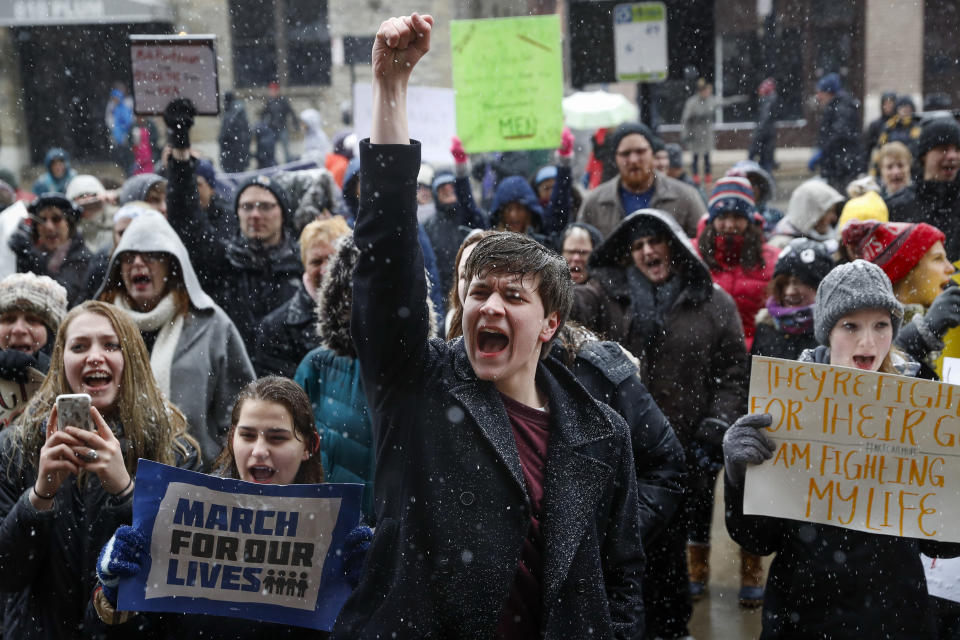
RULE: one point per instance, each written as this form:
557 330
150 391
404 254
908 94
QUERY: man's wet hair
517 254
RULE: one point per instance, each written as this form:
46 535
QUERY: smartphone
73 410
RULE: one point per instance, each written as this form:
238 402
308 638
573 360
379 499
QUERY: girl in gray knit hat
826 581
31 308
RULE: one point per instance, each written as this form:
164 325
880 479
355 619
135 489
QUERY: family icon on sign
285 584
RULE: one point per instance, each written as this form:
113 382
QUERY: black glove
944 313
179 115
14 364
706 449
746 443
21 240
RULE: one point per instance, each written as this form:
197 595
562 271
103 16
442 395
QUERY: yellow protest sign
508 75
868 451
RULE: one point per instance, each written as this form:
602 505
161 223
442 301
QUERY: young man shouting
505 495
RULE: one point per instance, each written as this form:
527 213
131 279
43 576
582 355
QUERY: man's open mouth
491 341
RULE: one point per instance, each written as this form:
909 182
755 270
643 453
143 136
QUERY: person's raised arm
399 45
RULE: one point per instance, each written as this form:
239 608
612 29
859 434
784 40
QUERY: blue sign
226 547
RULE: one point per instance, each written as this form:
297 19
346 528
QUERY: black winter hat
806 259
633 127
937 132
58 200
271 185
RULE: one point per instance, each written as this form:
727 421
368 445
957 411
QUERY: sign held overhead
168 67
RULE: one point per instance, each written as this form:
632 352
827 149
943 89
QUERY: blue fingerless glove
815 159
355 549
124 555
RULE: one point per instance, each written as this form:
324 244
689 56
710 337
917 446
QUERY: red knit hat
896 247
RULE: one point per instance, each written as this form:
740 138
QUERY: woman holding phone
64 490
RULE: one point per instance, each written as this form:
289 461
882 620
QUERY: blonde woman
64 490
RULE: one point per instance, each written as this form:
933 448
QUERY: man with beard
639 186
934 197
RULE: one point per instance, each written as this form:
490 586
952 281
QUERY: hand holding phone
73 410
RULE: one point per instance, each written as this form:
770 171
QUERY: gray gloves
745 443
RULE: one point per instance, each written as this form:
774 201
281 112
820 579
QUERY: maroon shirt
523 612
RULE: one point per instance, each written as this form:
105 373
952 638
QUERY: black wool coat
450 496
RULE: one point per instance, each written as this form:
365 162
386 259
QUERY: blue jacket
340 410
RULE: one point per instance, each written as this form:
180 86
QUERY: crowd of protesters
547 467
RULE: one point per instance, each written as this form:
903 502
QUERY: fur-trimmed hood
335 300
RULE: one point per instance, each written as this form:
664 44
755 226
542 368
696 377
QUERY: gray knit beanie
42 296
851 287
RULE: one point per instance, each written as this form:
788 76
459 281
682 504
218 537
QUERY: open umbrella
596 109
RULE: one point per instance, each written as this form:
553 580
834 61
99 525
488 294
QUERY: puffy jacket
340 409
748 288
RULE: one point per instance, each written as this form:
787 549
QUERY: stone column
893 59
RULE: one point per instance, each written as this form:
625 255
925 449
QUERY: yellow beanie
869 206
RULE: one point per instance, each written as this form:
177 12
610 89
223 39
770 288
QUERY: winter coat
829 582
611 377
697 119
285 336
748 288
603 208
210 364
247 280
446 229
808 203
96 272
47 183
559 209
452 507
343 420
936 203
234 139
696 368
73 271
771 342
839 140
48 558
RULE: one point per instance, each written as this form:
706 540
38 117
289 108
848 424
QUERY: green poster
508 77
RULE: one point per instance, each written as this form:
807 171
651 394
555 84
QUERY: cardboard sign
868 451
169 67
15 395
431 114
231 548
508 74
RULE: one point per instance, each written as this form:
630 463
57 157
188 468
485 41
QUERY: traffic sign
640 41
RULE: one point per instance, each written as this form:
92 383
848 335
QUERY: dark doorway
67 73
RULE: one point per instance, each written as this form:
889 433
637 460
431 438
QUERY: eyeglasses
583 253
129 257
263 207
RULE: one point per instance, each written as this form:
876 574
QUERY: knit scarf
170 327
793 320
649 303
727 249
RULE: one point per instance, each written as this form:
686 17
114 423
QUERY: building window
283 40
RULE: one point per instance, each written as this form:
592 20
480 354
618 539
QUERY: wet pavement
719 616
